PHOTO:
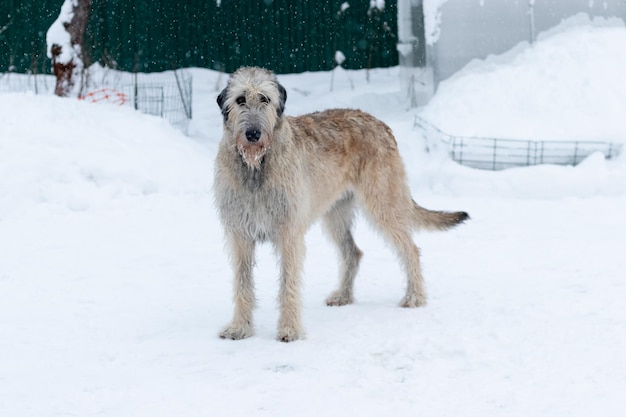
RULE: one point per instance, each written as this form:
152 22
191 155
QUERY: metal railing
496 154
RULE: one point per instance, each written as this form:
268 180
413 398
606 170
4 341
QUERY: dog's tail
437 220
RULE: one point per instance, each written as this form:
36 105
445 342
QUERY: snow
574 80
114 283
57 35
339 57
404 48
432 20
376 4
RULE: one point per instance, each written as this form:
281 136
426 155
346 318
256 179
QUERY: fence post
182 95
460 145
531 20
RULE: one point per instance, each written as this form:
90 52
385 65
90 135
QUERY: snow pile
82 155
568 86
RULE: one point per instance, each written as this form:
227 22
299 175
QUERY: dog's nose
253 135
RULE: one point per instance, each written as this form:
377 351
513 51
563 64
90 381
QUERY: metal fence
36 83
496 154
167 95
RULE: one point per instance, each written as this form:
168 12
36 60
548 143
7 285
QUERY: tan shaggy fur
275 175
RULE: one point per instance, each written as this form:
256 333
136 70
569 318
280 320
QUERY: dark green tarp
286 36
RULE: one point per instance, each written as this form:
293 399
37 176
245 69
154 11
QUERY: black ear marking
283 98
220 102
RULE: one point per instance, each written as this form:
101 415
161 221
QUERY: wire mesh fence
167 95
497 154
36 83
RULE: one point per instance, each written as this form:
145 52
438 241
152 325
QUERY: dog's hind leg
390 209
409 254
242 257
337 223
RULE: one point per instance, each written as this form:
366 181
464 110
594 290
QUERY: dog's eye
241 100
264 99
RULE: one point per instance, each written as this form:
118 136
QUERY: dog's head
252 104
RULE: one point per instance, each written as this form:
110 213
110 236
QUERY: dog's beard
252 154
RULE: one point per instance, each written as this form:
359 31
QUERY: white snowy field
114 284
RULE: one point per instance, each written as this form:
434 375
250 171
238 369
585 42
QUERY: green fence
23 27
286 36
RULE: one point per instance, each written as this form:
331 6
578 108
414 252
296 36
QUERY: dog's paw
338 298
413 301
289 334
236 332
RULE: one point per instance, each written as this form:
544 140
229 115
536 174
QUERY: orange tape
107 95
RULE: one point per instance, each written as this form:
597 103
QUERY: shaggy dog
276 175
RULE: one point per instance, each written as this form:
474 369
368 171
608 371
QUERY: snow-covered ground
114 283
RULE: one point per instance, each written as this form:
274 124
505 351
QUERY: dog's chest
258 213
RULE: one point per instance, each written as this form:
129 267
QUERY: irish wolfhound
275 175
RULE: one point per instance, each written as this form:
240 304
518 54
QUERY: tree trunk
65 49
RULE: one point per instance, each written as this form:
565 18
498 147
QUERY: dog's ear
220 102
283 98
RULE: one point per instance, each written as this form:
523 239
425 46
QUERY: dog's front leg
291 251
242 258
